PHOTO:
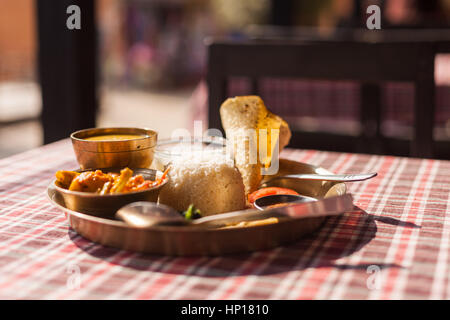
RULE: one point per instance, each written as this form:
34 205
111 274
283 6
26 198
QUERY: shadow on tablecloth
339 237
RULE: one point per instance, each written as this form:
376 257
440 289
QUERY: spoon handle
323 207
328 177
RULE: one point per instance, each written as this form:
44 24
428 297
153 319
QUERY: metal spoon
326 177
149 214
145 214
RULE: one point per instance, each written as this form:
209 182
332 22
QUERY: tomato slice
269 191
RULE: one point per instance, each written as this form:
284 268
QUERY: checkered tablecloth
394 245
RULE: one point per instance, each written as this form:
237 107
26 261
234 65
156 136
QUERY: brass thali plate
191 241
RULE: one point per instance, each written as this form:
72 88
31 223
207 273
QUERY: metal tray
191 241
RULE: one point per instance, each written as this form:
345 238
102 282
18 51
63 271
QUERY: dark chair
367 63
68 69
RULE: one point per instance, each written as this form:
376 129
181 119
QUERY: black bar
254 86
370 117
282 12
318 60
424 108
217 88
67 68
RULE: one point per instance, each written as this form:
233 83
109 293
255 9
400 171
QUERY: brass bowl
133 153
107 205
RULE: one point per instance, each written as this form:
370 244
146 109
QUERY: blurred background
151 63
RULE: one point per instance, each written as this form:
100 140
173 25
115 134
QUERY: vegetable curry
105 183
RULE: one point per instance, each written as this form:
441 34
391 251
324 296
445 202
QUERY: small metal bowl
107 205
132 153
170 149
280 199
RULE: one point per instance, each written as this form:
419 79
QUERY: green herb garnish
191 213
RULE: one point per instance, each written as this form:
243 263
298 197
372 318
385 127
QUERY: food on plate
192 213
210 181
238 115
65 177
90 181
115 137
105 183
268 192
252 223
278 205
170 149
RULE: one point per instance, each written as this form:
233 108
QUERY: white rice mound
210 181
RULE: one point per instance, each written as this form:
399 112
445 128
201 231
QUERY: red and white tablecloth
394 245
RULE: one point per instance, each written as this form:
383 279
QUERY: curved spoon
143 214
326 177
